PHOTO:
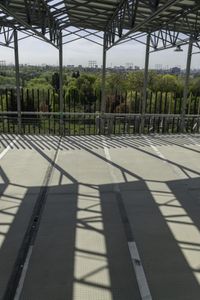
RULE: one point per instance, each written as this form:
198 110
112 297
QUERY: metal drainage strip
30 235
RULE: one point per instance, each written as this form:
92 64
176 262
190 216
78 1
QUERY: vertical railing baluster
70 92
155 103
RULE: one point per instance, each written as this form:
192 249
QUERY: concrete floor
81 249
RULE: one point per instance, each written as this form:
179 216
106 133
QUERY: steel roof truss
82 37
126 12
41 14
146 20
165 37
154 4
6 35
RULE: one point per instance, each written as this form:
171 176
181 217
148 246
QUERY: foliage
6 81
55 81
195 86
116 82
85 85
135 81
167 83
38 83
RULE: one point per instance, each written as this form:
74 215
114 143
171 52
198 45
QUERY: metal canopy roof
118 19
100 14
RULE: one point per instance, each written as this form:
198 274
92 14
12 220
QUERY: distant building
129 66
158 67
92 64
175 70
70 66
2 63
119 68
137 68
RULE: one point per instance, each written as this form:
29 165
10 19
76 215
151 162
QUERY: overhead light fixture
178 48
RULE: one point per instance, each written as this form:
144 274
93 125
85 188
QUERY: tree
7 82
153 78
39 83
116 82
167 83
85 85
55 81
135 81
44 94
195 86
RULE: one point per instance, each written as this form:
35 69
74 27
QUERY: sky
35 52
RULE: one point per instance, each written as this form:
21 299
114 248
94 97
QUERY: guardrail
78 123
90 101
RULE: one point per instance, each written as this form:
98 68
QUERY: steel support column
61 83
185 92
17 76
103 85
144 92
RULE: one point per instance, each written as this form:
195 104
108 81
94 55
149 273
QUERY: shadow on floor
81 251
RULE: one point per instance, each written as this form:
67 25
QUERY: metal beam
136 28
17 76
169 31
114 26
154 4
79 37
61 83
7 35
103 89
103 84
24 24
187 77
144 94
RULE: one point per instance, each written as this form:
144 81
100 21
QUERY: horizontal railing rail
40 113
81 123
96 114
47 100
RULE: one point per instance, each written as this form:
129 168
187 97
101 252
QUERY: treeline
115 81
82 91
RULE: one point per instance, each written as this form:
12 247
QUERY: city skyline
35 52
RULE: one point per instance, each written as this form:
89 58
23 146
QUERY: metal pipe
144 92
103 92
187 77
103 85
61 82
157 115
17 76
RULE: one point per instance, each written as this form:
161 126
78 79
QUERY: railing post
144 94
61 83
187 77
17 76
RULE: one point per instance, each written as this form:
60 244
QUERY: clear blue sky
32 51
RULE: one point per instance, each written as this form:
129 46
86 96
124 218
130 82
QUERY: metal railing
40 113
94 123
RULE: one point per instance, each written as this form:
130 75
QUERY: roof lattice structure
120 20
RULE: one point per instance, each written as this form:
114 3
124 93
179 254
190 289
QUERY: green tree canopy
167 83
38 83
195 86
7 82
116 82
135 81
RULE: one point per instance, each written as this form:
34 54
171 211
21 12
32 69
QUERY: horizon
35 52
71 66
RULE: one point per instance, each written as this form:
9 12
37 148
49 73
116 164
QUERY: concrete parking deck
98 198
